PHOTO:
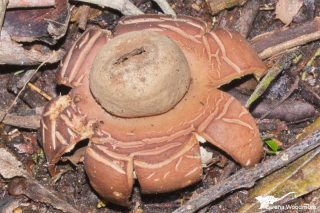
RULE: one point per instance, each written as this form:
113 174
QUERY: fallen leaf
10 167
300 177
76 155
287 9
46 24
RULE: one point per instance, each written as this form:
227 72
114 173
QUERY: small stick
31 3
25 78
246 177
271 75
314 48
277 41
3 7
37 89
15 100
293 88
305 86
249 12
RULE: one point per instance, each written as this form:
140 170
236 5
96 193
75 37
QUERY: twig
31 3
272 73
246 177
288 111
25 78
293 88
311 51
230 168
226 173
305 86
38 90
3 7
308 88
248 14
278 41
15 100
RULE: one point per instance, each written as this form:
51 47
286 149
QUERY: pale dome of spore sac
139 74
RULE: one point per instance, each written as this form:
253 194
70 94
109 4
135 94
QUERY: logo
266 201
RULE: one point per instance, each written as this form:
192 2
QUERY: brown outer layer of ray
162 149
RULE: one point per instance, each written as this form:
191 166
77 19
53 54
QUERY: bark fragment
13 53
43 24
278 41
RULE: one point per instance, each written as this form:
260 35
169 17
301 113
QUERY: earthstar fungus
159 144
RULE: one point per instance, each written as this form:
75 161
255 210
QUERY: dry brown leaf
47 24
10 167
287 9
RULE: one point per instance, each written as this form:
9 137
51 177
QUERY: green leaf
19 72
270 76
272 144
